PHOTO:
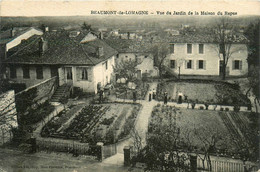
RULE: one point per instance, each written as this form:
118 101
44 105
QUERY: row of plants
85 121
35 115
56 122
129 123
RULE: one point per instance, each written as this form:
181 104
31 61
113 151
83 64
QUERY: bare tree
160 52
224 38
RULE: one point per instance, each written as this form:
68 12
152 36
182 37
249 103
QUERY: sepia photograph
118 86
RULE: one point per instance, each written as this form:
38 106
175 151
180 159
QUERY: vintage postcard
111 85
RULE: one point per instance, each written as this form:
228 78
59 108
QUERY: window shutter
175 61
240 64
89 74
186 63
197 64
204 64
78 73
233 64
192 64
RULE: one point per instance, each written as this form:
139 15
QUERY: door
68 75
139 74
61 74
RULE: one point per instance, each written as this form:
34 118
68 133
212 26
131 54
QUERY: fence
109 150
49 145
227 165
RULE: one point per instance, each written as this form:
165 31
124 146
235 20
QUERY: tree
86 26
160 52
252 34
126 70
224 37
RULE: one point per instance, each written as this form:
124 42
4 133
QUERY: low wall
8 118
38 93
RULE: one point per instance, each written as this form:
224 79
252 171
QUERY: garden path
141 127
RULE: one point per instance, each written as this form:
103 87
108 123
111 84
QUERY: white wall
211 57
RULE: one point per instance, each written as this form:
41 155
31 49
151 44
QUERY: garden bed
197 127
209 92
36 115
94 123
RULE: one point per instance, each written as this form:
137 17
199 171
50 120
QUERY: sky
84 8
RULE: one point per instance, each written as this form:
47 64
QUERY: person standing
165 97
154 93
134 96
150 95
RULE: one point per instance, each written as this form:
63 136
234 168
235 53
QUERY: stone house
198 55
135 50
78 58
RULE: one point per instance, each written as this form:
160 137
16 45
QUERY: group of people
152 95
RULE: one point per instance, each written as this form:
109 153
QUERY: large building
78 59
198 55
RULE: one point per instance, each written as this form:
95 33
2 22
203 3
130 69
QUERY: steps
60 93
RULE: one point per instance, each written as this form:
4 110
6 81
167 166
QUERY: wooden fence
109 150
227 165
49 145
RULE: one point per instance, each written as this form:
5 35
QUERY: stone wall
38 93
8 118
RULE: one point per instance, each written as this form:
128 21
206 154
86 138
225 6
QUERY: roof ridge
23 48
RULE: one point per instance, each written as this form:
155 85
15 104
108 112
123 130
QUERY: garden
202 131
124 91
105 123
203 91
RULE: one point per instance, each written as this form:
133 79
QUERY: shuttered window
189 64
172 48
26 72
189 48
172 64
201 48
82 73
39 72
13 72
237 65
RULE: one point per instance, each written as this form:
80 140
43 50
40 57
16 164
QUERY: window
189 48
201 64
237 64
221 48
54 71
172 63
189 64
201 48
69 73
172 48
26 72
105 64
84 74
13 72
39 72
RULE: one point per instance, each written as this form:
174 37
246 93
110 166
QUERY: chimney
2 52
101 36
43 46
100 51
12 32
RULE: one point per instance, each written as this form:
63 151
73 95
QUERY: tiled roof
5 36
62 49
202 38
130 45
